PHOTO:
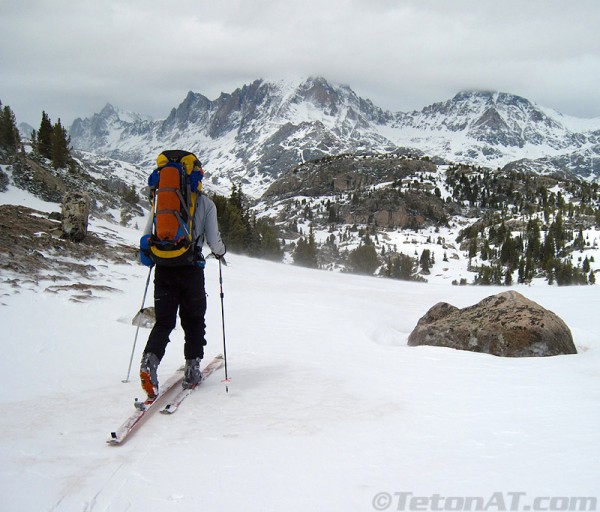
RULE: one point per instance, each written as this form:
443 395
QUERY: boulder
507 324
75 213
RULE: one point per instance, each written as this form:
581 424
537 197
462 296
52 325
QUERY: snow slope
328 407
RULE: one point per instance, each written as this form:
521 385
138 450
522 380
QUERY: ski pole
227 380
138 327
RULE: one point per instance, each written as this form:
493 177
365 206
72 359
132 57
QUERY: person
181 288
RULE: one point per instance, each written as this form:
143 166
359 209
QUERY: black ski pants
179 288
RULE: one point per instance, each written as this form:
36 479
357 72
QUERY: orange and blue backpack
174 187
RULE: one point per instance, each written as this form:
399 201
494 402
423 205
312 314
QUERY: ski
174 404
142 408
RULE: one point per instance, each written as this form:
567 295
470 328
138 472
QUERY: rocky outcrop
38 179
346 173
369 189
507 324
32 247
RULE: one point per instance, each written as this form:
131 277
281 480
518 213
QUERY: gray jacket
206 227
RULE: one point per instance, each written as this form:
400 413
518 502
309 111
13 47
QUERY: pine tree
425 261
579 242
44 137
364 260
60 153
509 254
548 252
264 241
534 244
9 133
508 278
305 253
130 195
473 248
401 267
585 267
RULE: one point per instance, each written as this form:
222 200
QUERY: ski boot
149 375
192 374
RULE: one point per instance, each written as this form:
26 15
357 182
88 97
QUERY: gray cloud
70 58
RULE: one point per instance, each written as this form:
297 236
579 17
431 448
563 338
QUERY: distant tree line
50 141
530 226
541 247
364 259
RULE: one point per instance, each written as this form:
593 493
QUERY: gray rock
507 324
75 213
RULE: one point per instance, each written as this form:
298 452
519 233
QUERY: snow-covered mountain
261 130
485 127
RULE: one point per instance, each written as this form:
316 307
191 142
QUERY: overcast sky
71 57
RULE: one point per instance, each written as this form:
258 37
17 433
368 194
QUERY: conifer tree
425 261
364 260
509 254
521 278
579 242
9 133
401 267
585 265
548 252
52 142
533 238
60 154
44 137
305 253
130 195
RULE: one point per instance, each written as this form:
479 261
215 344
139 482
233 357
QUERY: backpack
174 187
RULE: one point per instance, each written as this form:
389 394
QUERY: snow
327 408
574 124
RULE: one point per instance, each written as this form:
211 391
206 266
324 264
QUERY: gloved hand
220 257
145 258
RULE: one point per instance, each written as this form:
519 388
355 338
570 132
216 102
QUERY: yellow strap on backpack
189 163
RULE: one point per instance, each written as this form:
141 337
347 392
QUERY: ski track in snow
327 406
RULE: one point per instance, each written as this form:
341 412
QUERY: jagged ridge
261 130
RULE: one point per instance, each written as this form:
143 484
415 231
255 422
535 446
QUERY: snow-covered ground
328 408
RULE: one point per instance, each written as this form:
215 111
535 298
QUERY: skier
180 288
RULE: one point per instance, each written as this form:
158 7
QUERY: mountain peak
480 94
492 98
108 110
320 93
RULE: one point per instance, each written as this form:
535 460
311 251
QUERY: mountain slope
261 130
484 127
251 135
